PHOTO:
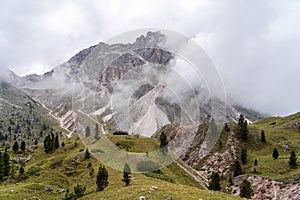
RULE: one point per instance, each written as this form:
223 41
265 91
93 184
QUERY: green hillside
66 167
279 135
22 118
282 133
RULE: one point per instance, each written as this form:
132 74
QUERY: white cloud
255 44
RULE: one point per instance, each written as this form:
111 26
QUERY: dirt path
58 119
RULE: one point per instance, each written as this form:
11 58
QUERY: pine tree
36 141
230 180
12 171
255 162
1 166
237 169
126 176
56 142
214 183
47 144
102 177
87 154
245 131
275 153
6 163
87 131
246 190
97 137
163 142
241 120
23 146
22 170
52 142
262 136
293 159
15 146
79 191
227 128
63 144
243 128
244 156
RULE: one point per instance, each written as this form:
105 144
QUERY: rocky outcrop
294 125
153 55
185 140
68 121
264 188
221 162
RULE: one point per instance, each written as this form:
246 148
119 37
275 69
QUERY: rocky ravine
221 162
264 188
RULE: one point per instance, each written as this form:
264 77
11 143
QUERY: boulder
142 198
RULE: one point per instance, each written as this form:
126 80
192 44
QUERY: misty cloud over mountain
255 44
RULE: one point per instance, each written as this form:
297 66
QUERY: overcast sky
254 44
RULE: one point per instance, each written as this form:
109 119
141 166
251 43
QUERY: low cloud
254 44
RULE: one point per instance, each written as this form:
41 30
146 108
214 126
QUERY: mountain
131 86
22 118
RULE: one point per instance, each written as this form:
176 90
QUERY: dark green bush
120 133
147 165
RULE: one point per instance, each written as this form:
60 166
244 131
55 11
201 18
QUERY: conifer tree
102 178
56 142
23 146
243 128
241 120
255 162
87 154
214 183
1 166
244 156
246 190
6 163
79 190
97 137
275 153
47 144
87 131
230 180
15 146
293 159
237 169
227 128
22 170
163 142
126 176
262 136
245 131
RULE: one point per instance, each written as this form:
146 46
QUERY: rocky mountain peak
152 39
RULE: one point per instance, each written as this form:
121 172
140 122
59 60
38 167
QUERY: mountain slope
22 118
67 167
118 77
